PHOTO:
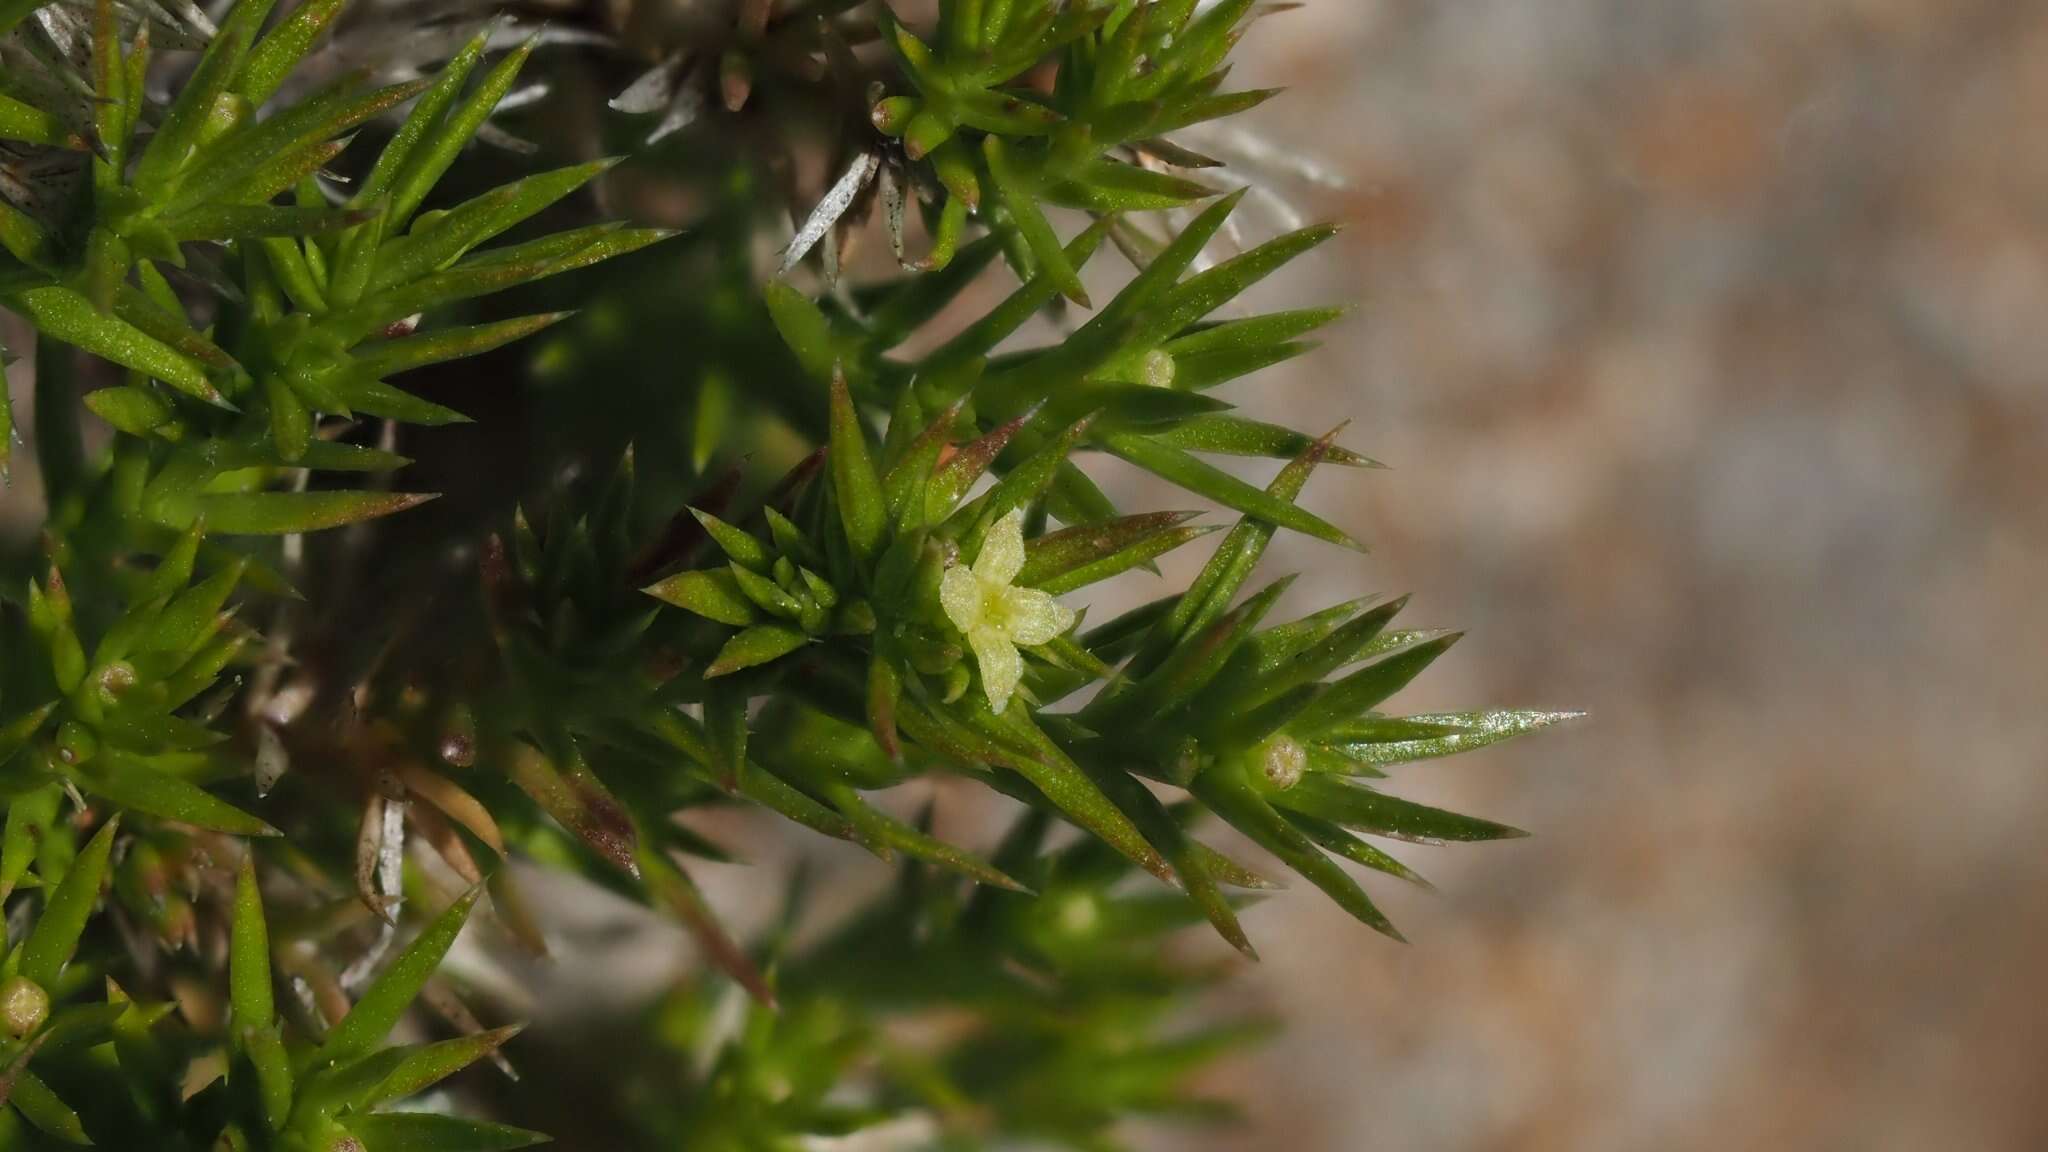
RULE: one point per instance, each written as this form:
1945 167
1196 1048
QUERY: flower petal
1034 617
1001 666
960 596
1002 550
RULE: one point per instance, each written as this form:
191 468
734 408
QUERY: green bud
892 116
75 743
115 680
1157 368
1281 760
23 1005
957 679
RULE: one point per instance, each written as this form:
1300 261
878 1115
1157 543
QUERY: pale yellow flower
995 615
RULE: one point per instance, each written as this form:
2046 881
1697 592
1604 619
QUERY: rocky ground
1708 342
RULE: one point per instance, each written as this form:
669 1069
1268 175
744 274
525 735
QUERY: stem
60 448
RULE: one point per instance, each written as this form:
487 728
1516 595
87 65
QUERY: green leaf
434 244
804 327
969 463
1381 741
875 827
136 411
740 547
1236 436
981 337
1013 741
239 221
1205 479
755 646
280 52
1226 792
1369 686
1031 222
566 789
132 783
1025 483
17 732
249 953
725 728
670 886
1252 331
862 508
278 513
1357 806
424 119
31 816
378 1011
268 155
710 593
266 1051
431 1132
1105 185
765 593
55 937
1075 557
63 314
6 419
390 357
193 615
32 125
1217 584
197 104
400 1073
437 149
41 1107
1335 838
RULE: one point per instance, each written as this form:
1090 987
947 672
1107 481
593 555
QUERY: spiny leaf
400 1073
671 886
378 1011
878 828
430 1132
1230 796
436 243
437 148
249 952
198 99
274 58
1075 557
862 508
41 1107
31 816
1381 742
134 784
757 645
55 937
1369 686
1194 475
60 313
390 357
710 593
1357 806
278 513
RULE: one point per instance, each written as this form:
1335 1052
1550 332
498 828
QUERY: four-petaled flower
997 616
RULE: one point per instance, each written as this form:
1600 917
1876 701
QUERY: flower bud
75 743
23 1005
1282 760
1157 368
892 116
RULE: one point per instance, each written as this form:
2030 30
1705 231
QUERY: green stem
60 448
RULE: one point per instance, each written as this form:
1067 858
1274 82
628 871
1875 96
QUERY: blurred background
1707 341
1707 345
